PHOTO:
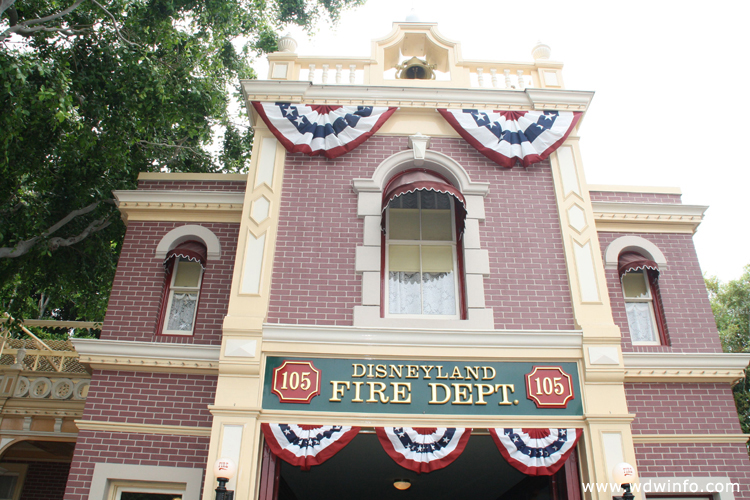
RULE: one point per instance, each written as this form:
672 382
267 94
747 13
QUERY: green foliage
82 114
730 303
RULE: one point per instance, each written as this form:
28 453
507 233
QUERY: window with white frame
642 300
184 265
121 490
421 257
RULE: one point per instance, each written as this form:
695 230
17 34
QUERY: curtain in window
640 322
182 312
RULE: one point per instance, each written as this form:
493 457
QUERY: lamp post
224 470
624 474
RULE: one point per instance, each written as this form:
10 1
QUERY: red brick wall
193 185
635 197
696 460
314 281
44 480
701 408
690 322
95 447
150 398
135 301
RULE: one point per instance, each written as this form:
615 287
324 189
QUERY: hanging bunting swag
330 131
507 137
307 445
536 452
423 449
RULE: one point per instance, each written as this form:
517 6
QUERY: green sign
434 387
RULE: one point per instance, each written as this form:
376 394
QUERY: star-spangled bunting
536 452
307 445
422 449
330 131
510 137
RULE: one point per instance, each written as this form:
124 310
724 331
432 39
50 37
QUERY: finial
287 43
541 51
413 17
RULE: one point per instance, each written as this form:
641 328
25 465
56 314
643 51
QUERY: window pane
640 321
634 285
403 224
437 259
7 486
437 225
182 311
188 274
403 293
408 200
439 293
403 258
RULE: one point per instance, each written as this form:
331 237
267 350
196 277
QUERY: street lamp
224 470
624 474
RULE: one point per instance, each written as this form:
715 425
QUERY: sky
669 79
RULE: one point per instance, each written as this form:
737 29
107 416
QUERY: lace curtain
438 293
640 321
182 313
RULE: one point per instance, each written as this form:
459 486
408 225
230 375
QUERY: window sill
369 316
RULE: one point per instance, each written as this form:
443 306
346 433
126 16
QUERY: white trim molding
685 367
611 188
204 206
171 430
645 217
189 232
105 474
691 438
635 244
147 356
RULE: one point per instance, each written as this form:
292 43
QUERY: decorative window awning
536 452
510 137
423 180
307 445
190 250
633 261
423 449
330 131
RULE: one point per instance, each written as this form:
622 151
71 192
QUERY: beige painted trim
680 367
691 438
175 205
612 188
647 217
168 176
179 430
28 435
148 356
622 226
106 475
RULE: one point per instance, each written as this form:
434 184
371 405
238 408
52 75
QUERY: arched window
422 260
639 277
184 266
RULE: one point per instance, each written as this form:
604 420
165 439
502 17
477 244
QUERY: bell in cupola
415 69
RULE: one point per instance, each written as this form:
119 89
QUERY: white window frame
172 291
640 300
117 488
420 243
106 475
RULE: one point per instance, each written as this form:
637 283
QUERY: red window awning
633 261
190 250
424 180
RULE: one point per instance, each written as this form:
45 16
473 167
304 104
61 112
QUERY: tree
730 303
92 92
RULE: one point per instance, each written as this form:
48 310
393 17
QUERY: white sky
670 109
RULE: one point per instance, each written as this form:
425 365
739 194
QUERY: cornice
613 188
179 430
685 367
180 176
667 217
180 205
690 438
414 97
554 339
148 356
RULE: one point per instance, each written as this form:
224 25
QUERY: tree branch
25 28
97 225
24 246
114 22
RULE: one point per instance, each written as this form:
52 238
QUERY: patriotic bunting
423 449
536 452
507 137
330 131
307 445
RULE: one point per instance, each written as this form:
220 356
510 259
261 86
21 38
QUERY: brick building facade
289 264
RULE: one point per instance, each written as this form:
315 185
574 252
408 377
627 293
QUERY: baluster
508 83
480 76
352 73
325 73
493 72
338 73
521 83
311 75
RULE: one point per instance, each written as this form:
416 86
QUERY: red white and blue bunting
423 449
307 445
536 452
508 137
330 131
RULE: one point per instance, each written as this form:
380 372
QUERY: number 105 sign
549 387
296 382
